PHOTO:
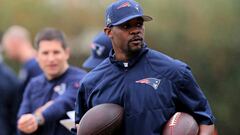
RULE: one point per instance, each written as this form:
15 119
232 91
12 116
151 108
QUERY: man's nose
50 57
135 30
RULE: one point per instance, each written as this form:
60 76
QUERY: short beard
130 53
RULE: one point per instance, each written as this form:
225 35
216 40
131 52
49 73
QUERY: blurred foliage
205 34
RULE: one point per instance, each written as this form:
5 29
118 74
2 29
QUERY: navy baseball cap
100 49
122 11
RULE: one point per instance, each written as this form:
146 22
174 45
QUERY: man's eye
56 52
139 24
126 26
45 53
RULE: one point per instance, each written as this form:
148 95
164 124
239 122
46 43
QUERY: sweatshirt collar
131 62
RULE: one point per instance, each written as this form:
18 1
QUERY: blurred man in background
49 96
17 46
100 49
9 99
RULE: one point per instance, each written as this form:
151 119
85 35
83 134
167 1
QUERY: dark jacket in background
29 70
9 101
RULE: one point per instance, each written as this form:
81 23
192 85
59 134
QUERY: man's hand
27 123
206 129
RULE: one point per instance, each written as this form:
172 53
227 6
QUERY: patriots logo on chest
60 89
153 82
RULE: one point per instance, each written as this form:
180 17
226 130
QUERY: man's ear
108 31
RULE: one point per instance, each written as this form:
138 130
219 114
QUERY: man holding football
148 84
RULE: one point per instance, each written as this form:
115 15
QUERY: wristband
39 120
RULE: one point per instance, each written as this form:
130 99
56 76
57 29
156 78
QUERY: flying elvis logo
154 82
126 4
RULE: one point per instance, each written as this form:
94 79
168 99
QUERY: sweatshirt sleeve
62 104
193 99
80 107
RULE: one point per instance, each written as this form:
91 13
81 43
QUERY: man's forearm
206 129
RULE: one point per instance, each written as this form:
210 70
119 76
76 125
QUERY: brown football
181 124
103 119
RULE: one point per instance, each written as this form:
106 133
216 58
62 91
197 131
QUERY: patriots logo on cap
154 82
98 48
137 8
109 20
126 4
